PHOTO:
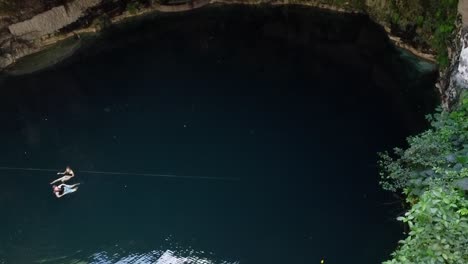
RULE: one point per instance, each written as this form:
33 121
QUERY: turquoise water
294 103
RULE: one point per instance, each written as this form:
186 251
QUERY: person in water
68 174
64 189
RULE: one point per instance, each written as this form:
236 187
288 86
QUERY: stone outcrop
24 38
455 78
51 20
463 10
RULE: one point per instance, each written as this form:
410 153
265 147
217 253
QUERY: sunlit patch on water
106 257
155 257
175 256
170 257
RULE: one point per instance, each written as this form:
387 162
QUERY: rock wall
32 35
51 20
454 79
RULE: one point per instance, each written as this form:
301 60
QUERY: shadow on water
293 101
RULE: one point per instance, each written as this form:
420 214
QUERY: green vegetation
444 146
438 229
432 172
7 7
426 23
133 7
432 20
102 21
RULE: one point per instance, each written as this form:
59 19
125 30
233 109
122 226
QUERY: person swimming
64 189
68 174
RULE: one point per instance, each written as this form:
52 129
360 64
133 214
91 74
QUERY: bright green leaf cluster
438 225
433 173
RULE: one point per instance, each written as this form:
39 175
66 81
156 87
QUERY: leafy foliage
433 172
133 7
434 20
438 225
444 146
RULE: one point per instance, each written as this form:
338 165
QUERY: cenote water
294 103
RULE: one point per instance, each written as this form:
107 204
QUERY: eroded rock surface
456 78
51 20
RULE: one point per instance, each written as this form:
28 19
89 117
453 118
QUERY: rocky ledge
34 25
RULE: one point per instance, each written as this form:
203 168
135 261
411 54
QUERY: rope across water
131 173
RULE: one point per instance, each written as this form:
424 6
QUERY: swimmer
68 174
64 189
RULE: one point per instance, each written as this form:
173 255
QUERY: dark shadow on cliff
318 40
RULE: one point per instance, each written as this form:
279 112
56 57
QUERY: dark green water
293 102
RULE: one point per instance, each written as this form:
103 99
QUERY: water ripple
154 257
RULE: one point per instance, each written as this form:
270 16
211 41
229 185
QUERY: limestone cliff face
421 26
427 26
51 20
56 18
454 79
20 39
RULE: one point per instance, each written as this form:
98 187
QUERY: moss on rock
427 24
